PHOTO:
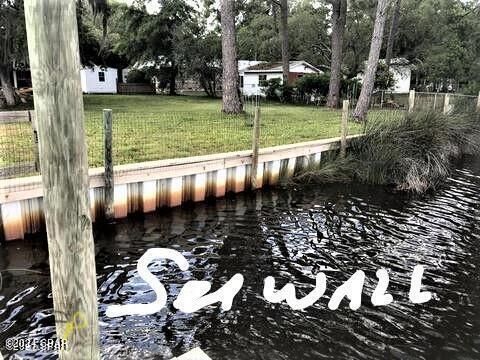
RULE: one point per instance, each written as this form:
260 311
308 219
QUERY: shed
99 80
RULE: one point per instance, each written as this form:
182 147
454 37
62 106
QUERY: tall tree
339 19
12 44
363 103
393 32
157 39
101 7
284 39
231 97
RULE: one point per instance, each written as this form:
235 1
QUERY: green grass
161 127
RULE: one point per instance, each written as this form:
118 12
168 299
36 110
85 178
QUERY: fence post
33 123
108 163
411 101
52 36
344 129
255 148
446 105
478 102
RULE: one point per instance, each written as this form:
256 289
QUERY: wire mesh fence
17 145
464 103
283 124
142 136
429 101
388 100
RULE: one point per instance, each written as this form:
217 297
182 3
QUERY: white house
99 80
252 73
402 74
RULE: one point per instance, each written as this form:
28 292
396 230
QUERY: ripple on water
290 235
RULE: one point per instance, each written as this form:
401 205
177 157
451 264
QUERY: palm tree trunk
284 40
6 84
231 98
339 20
393 33
363 103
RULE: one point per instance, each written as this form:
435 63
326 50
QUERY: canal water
290 235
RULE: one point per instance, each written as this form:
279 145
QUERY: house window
101 76
241 81
262 78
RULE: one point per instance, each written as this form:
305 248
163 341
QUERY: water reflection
290 235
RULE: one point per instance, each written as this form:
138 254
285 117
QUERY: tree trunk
284 40
231 99
173 80
6 84
363 103
339 20
393 33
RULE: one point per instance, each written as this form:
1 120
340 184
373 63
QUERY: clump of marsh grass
413 153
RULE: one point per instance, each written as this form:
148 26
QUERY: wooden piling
344 129
446 105
255 148
55 67
411 101
108 163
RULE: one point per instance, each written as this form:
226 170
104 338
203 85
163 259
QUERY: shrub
276 91
412 153
313 84
137 77
384 78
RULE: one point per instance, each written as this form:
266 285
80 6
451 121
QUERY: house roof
277 66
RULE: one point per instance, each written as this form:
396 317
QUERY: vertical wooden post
108 163
446 105
478 102
255 148
33 123
411 101
344 129
55 66
435 102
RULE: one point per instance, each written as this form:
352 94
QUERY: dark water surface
289 235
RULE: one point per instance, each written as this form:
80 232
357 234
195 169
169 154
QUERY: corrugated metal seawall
146 187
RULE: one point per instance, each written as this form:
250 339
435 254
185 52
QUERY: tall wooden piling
108 162
55 66
255 148
344 129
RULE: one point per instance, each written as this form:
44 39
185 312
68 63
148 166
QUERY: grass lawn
160 127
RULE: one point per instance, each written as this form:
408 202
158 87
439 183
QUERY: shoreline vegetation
414 153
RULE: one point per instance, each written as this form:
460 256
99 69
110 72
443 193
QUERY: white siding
92 85
403 77
251 82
